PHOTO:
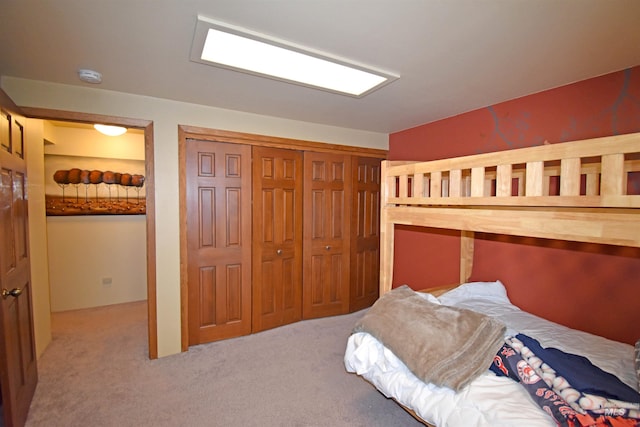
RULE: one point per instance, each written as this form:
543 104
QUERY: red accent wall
591 287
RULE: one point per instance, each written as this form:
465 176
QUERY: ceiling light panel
238 49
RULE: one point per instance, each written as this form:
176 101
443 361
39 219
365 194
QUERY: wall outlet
106 281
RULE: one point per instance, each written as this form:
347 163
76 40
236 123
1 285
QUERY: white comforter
489 400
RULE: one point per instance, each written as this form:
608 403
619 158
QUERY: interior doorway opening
95 215
146 128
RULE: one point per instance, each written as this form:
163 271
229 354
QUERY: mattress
489 400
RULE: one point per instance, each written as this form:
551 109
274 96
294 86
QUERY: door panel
327 209
19 374
365 223
218 187
277 237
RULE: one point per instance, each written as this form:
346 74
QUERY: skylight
243 50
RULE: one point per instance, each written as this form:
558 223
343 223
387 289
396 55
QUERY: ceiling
452 56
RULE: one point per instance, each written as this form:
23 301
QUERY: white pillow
429 297
491 298
492 291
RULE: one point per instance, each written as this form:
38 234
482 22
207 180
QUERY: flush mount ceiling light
110 130
235 48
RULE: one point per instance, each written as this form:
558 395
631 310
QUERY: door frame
147 127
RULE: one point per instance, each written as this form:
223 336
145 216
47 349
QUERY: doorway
95 215
146 127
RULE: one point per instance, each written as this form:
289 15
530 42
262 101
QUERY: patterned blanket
572 390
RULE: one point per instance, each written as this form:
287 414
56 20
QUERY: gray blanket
443 345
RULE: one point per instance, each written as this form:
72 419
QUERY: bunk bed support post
466 255
386 234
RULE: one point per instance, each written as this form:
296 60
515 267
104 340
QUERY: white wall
86 252
37 235
79 141
167 115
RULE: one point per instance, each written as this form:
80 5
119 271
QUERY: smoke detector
90 76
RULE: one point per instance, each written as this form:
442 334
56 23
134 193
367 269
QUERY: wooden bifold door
365 233
218 240
327 207
276 235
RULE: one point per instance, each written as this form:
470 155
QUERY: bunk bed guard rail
586 191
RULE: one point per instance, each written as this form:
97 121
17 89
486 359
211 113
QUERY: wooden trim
147 126
152 308
608 226
6 100
276 142
614 201
184 260
79 117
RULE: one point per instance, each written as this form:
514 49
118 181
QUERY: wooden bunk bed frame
566 191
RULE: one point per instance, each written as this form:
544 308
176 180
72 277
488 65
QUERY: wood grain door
218 187
277 237
18 369
327 210
365 233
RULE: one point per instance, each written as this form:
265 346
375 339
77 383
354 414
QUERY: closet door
365 233
218 186
277 237
327 211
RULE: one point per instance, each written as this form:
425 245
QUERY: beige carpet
96 373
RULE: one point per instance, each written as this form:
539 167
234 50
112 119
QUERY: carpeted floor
96 373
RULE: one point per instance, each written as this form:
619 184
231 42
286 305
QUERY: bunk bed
584 191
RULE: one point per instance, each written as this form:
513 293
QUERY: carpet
96 372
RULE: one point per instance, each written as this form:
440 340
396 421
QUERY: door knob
279 251
15 292
328 247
